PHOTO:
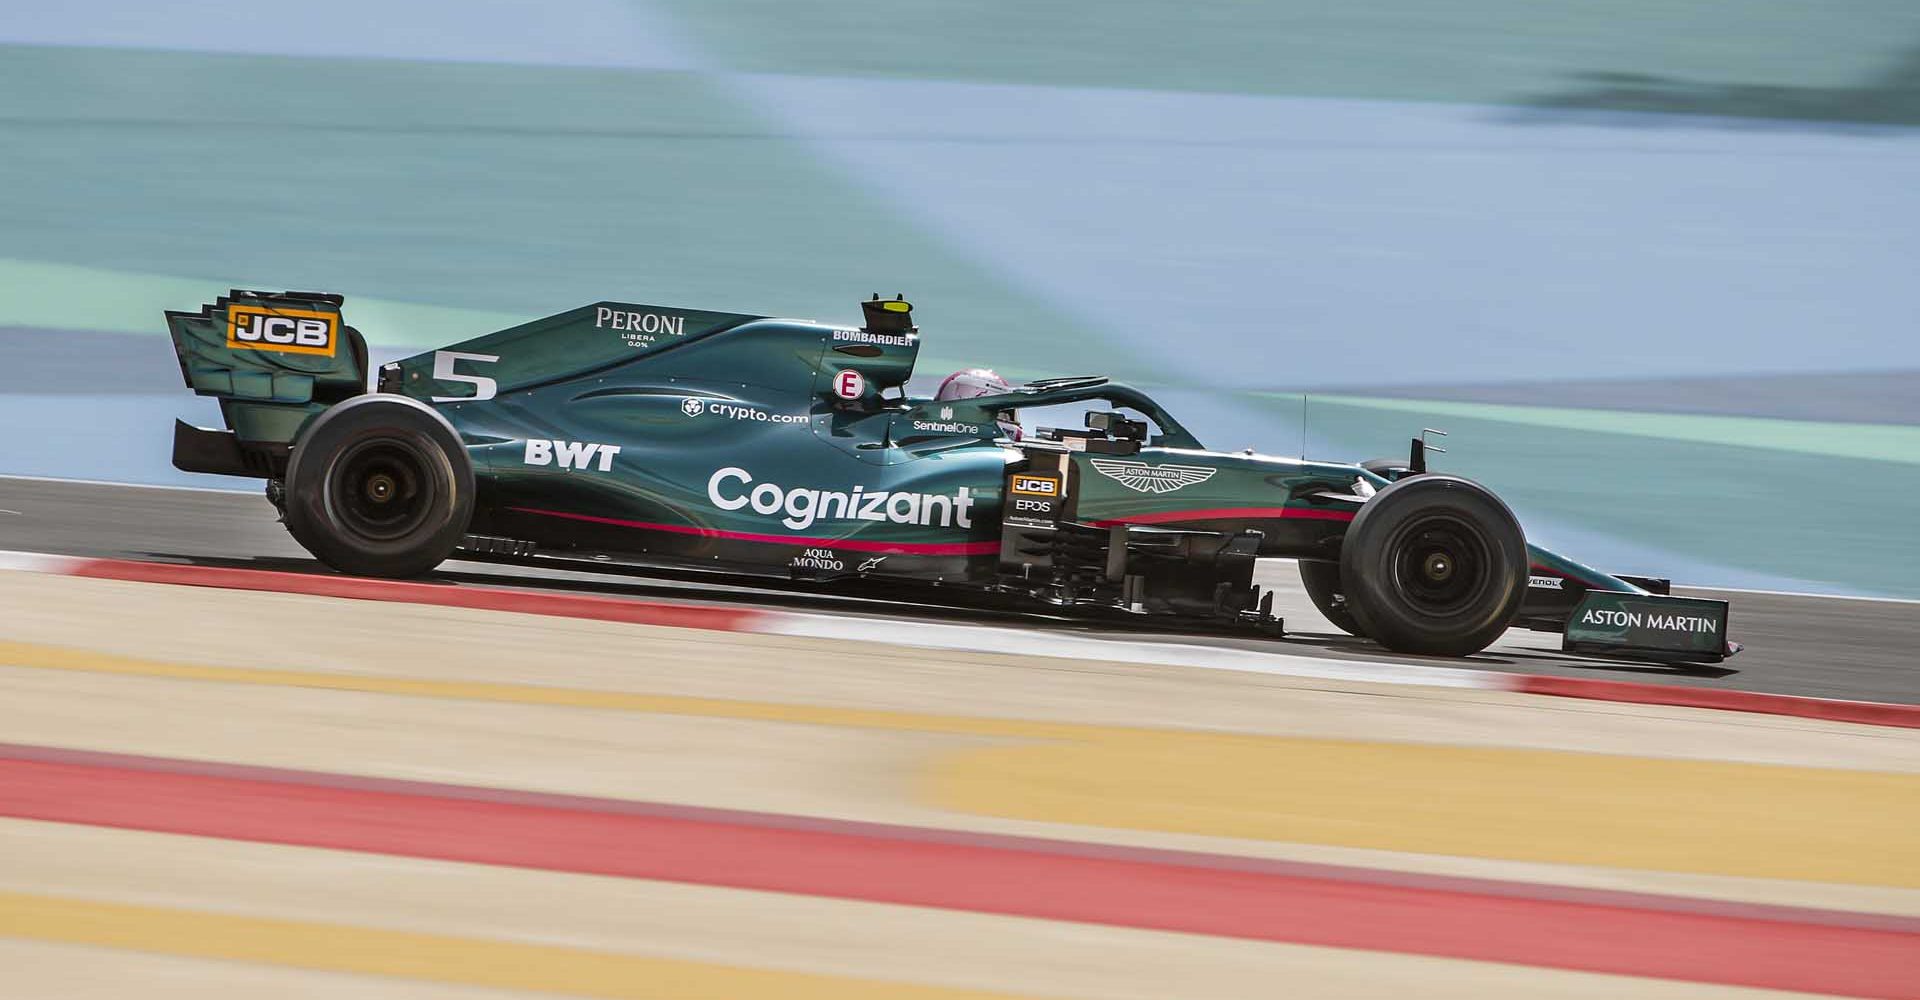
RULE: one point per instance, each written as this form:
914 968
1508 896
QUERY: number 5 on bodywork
484 387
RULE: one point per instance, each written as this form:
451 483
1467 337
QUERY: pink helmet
970 382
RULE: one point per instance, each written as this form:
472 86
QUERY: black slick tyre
1434 564
379 485
1322 580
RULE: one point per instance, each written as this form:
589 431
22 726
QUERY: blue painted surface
1329 242
111 438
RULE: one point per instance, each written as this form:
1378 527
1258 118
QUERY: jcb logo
571 454
293 331
1039 486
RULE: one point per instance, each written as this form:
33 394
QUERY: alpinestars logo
1143 478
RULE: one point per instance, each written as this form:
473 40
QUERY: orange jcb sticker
292 331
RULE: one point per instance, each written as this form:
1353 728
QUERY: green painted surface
504 190
1878 442
1783 58
71 297
1785 512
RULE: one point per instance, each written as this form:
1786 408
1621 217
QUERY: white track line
133 486
1000 640
987 639
1797 593
991 639
36 562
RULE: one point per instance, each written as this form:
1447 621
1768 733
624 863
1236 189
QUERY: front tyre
379 485
1322 581
1434 564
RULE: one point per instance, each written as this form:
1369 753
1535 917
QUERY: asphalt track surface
1800 645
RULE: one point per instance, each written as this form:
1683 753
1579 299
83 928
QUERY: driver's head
968 383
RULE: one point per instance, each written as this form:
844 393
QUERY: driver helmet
968 383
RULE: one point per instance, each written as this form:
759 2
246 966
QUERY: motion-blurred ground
1713 819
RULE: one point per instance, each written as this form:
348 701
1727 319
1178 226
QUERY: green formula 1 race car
665 439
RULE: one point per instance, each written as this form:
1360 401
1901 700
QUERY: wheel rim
380 489
1440 564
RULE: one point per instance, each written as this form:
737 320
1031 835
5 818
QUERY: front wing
1601 614
1649 626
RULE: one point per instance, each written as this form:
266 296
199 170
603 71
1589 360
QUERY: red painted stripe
1868 713
612 609
1122 852
1819 957
1225 513
851 545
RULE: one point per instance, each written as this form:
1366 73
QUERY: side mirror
1116 425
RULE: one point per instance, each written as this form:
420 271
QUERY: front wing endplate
1649 627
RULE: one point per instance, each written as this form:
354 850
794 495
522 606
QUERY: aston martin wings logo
1144 478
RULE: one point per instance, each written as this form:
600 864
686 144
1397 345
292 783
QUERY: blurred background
1650 263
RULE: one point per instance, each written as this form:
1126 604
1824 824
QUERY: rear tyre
1434 564
1322 580
379 485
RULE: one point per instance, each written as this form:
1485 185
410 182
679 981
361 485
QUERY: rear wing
273 360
